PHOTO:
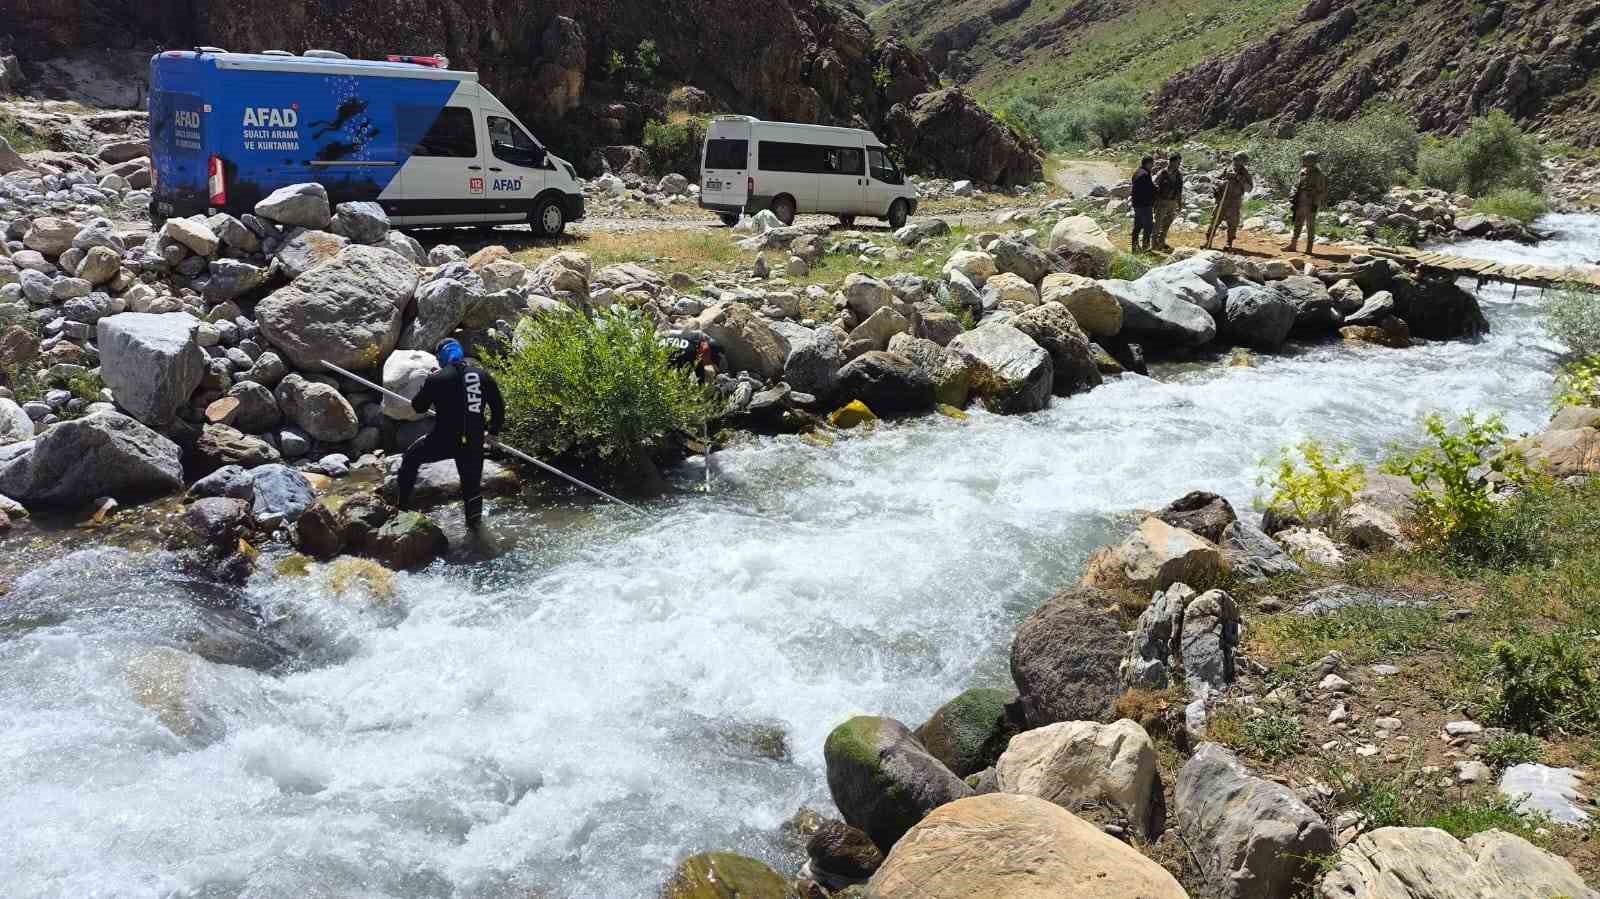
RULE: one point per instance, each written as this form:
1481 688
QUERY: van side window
883 168
850 161
510 143
727 154
781 156
438 132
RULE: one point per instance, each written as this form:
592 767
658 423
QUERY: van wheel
548 218
848 221
897 214
729 219
783 208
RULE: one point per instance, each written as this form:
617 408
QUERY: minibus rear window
727 154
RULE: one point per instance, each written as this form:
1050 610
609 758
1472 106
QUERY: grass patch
1504 752
1514 203
683 250
1363 633
21 139
1272 736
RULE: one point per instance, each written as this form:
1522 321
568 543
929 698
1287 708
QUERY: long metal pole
497 443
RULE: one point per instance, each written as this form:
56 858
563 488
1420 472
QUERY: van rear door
178 149
725 168
443 181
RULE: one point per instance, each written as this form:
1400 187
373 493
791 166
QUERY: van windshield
727 154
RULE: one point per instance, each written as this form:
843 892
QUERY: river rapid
612 694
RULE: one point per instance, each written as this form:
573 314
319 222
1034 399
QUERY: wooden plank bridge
1538 276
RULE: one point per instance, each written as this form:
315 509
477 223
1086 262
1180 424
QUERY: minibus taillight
750 187
219 187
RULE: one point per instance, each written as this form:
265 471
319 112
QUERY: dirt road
1079 176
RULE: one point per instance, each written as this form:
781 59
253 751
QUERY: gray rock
293 443
1252 555
361 222
193 234
1195 280
749 342
1156 640
1541 789
1316 312
815 357
346 311
281 494
99 265
1153 312
1428 863
404 373
305 249
234 233
255 409
229 480
883 780
440 306
230 279
104 454
1016 374
267 370
1210 636
220 445
1053 327
152 363
1022 259
15 425
1065 658
889 383
301 205
439 483
90 308
1377 307
318 409
1258 317
1254 838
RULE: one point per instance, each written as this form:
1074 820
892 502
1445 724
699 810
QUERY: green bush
1546 681
675 146
1313 483
1579 383
1492 154
1501 753
647 60
1104 113
1022 114
1514 203
1572 315
1274 736
598 388
1127 267
1362 158
1456 474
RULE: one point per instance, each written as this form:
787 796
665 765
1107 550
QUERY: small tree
1314 484
600 389
1457 474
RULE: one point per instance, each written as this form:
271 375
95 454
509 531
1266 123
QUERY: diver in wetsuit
461 395
696 350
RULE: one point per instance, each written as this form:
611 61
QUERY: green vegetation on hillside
1493 154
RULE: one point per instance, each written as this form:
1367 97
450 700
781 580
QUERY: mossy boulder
724 875
970 732
409 540
883 779
319 532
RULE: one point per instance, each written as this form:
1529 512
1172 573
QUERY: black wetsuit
693 349
460 395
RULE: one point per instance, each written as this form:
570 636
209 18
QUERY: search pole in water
498 444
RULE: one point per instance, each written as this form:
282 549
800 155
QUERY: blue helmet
449 352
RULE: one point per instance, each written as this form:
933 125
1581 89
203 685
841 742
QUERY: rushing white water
574 717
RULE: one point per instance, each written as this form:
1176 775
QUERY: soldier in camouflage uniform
1234 183
1310 194
1169 198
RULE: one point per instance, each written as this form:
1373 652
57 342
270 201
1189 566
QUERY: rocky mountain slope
552 61
1211 63
1442 61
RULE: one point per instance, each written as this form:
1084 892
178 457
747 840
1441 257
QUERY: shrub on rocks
1254 838
1081 765
969 732
883 780
1018 847
1065 658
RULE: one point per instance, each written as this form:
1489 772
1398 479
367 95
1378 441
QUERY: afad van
750 165
430 145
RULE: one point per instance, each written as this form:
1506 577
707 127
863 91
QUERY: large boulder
1154 557
305 249
1201 512
104 454
281 494
1562 454
1427 863
248 406
1258 317
815 357
840 852
1065 658
222 445
974 265
883 780
1251 555
1437 308
49 235
889 383
1080 234
439 483
298 205
440 306
948 129
409 540
192 233
1055 329
1011 290
1254 839
1096 310
951 371
346 311
748 341
1316 311
361 222
1024 260
1084 764
724 875
1150 310
1195 280
865 295
152 363
1015 374
970 732
1210 634
1017 847
15 425
318 409
404 373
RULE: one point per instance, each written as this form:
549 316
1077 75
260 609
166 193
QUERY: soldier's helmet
1241 156
1309 156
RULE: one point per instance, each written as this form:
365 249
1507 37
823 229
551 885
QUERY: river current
612 694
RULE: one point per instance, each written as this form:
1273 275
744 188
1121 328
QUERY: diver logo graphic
474 384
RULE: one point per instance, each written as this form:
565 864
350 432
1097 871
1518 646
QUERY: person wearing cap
1232 186
1310 195
1169 199
1143 200
468 413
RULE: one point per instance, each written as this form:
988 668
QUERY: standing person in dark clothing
1169 199
1144 201
461 394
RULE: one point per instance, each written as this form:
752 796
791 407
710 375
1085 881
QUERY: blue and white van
430 145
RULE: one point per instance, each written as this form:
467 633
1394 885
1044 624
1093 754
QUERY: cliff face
1442 61
797 60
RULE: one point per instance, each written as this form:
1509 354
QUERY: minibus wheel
848 221
548 218
897 214
729 219
783 208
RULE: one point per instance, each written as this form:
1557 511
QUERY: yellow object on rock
851 414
